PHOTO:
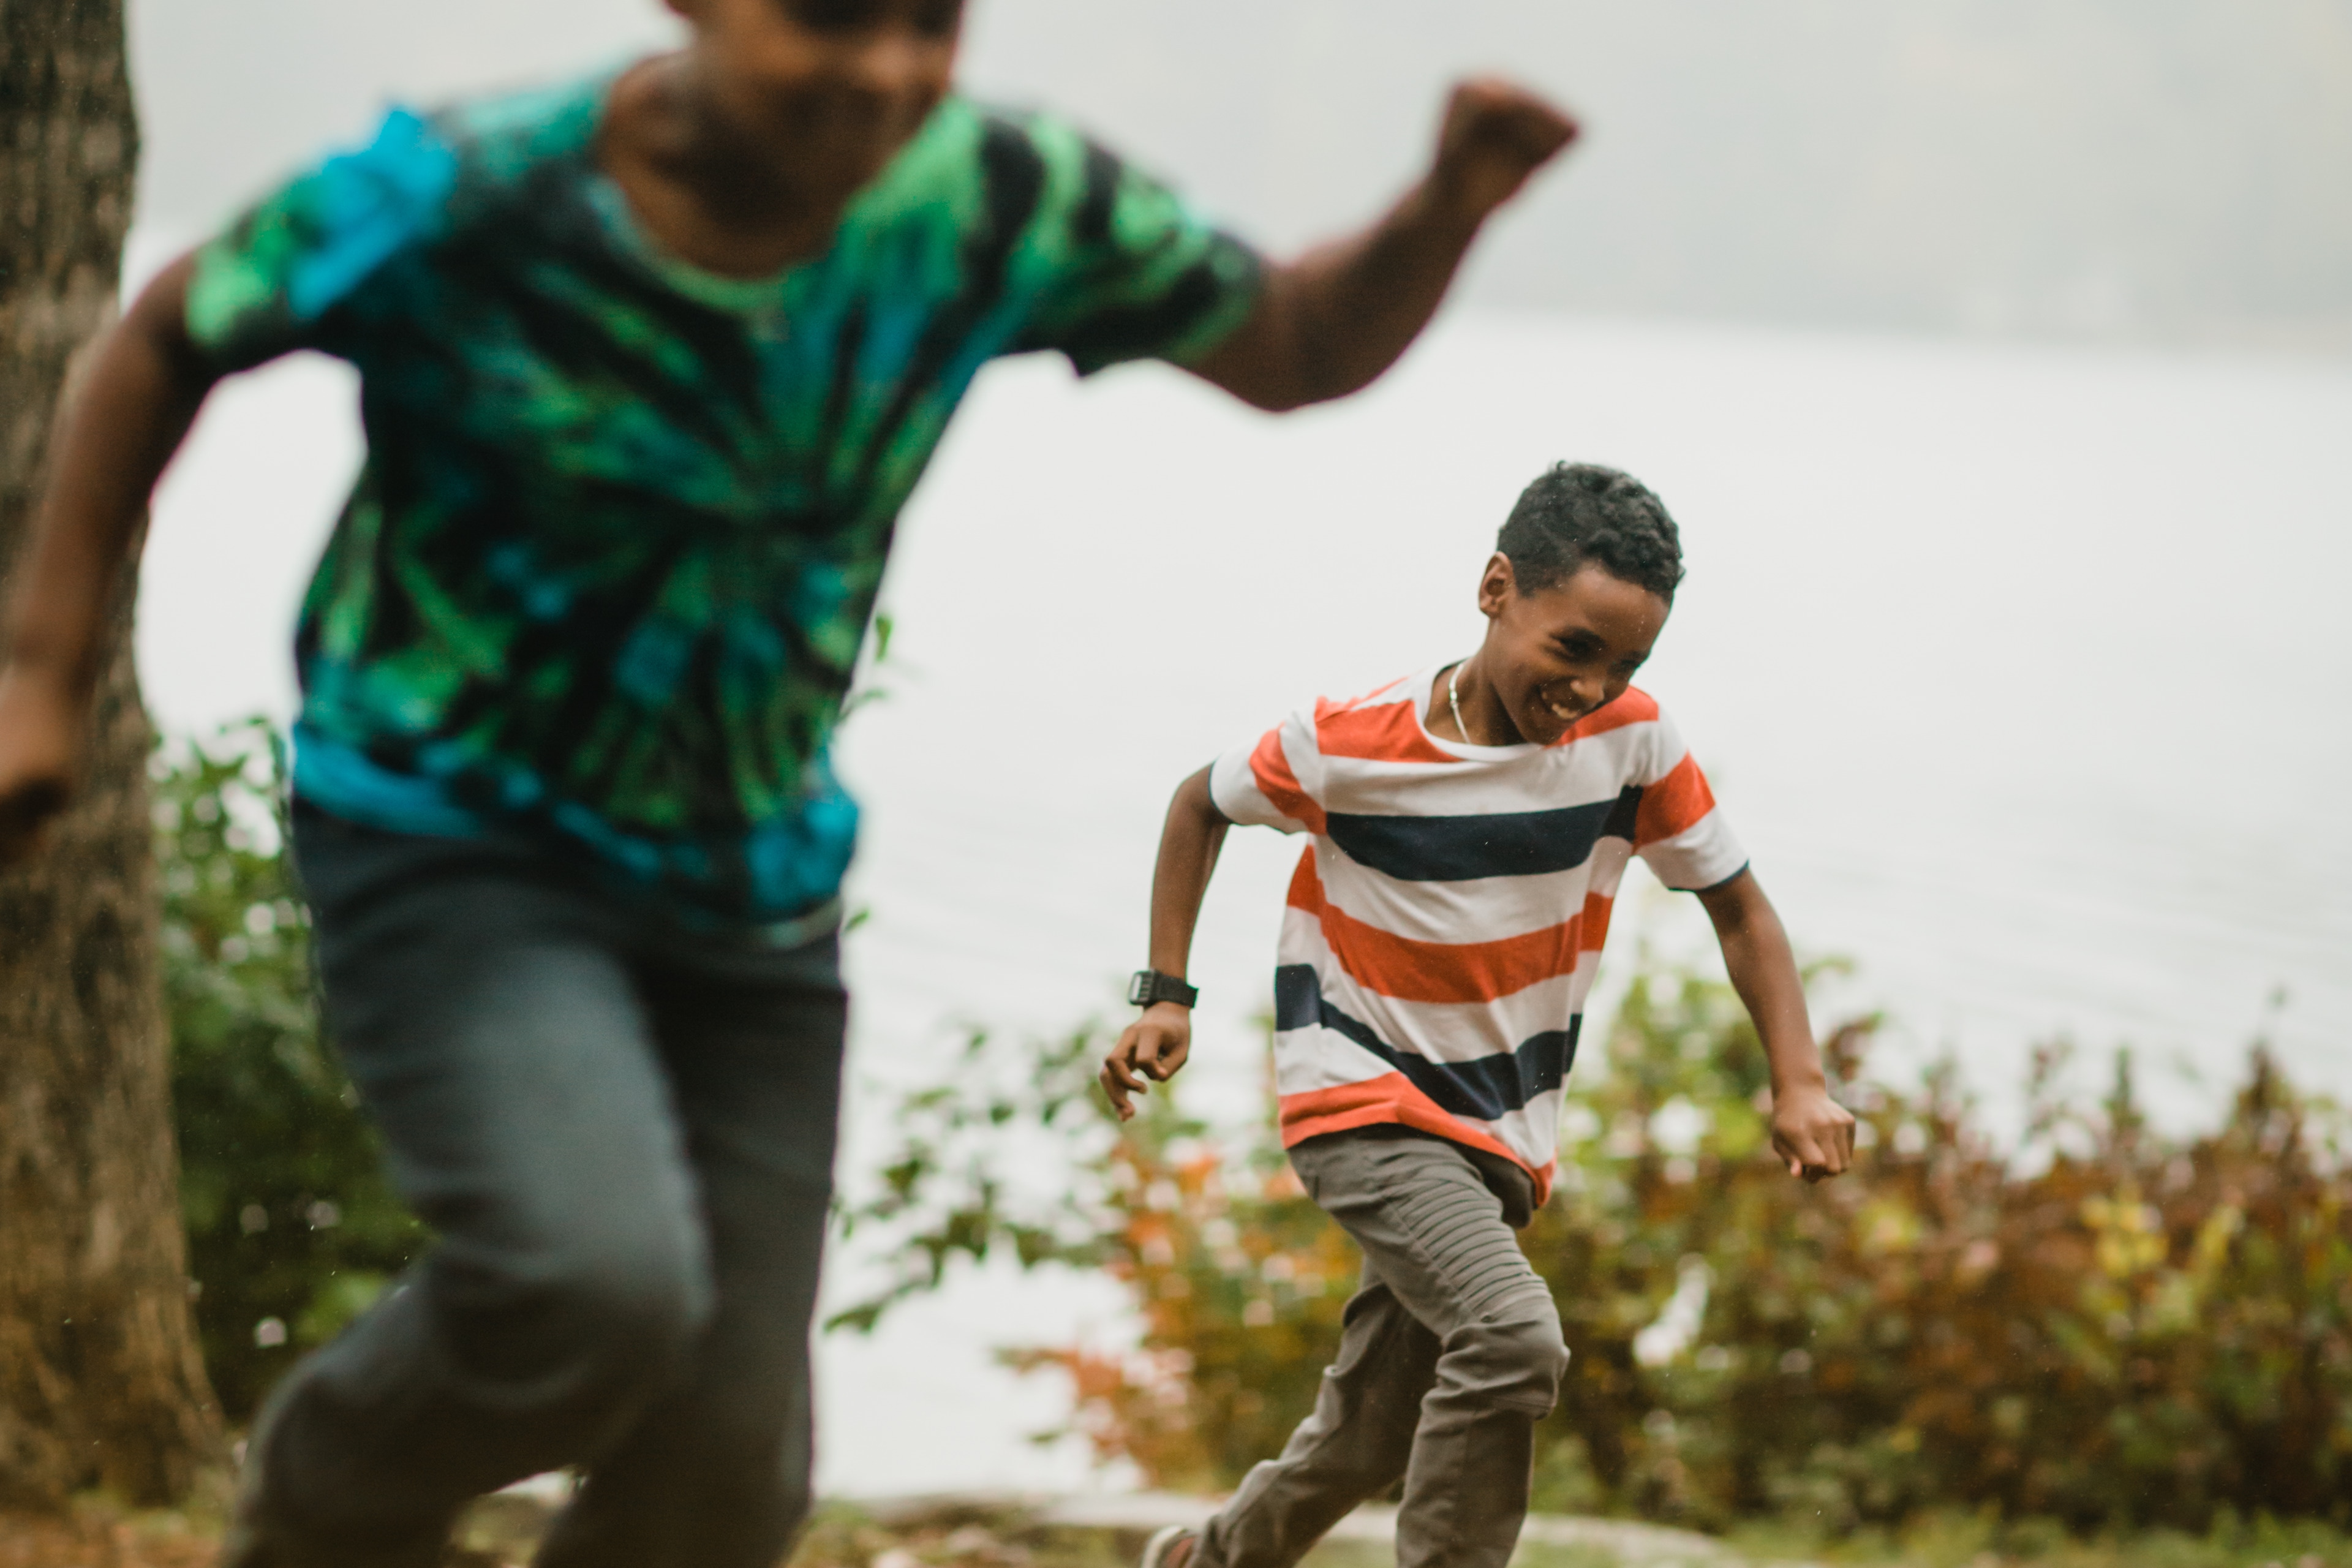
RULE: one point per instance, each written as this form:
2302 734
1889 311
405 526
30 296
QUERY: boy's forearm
1764 973
1189 843
1763 968
114 436
1812 1133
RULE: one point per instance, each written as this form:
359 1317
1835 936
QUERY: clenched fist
1495 134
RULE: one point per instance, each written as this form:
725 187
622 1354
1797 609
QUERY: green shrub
2104 1326
292 1229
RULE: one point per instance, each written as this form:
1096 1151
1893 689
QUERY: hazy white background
1991 356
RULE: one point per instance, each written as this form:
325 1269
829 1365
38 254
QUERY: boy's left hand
1154 1046
1495 134
1812 1133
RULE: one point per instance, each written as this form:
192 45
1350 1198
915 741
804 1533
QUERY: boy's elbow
1286 401
1301 379
1286 356
1312 368
158 319
1735 902
1195 799
1268 377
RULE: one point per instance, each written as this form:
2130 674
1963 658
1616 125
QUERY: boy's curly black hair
1582 514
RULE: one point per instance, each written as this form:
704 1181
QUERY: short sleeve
271 282
1258 785
1678 829
1146 275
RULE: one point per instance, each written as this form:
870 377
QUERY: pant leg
716 1473
1434 1234
1353 1447
487 1013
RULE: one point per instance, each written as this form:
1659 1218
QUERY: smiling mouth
1566 715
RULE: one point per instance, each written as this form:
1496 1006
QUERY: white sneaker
1160 1552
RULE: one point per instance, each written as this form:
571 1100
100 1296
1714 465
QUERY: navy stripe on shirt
1497 844
1483 1089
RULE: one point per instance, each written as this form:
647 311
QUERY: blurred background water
1991 356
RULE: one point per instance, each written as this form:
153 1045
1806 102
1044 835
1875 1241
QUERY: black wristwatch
1150 986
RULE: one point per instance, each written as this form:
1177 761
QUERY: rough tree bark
101 1382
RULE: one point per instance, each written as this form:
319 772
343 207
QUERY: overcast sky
2139 169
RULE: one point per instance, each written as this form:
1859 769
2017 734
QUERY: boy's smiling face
1554 654
822 93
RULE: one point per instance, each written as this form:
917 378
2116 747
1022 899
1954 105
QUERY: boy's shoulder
419 177
502 139
420 167
1382 725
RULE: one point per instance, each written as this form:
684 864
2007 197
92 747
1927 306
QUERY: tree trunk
100 1382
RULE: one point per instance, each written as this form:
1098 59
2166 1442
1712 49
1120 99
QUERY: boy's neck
701 194
1486 721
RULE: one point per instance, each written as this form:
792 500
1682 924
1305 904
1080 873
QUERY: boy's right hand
1495 134
1154 1046
40 757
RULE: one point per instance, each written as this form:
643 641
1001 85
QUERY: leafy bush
2107 1326
2104 1326
292 1229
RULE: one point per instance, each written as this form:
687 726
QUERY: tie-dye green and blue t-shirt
610 558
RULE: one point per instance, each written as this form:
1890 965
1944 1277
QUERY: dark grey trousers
1451 1354
624 1136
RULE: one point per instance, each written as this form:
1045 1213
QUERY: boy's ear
1496 585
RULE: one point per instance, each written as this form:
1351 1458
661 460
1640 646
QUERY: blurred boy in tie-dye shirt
649 366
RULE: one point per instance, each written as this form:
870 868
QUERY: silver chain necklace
1454 700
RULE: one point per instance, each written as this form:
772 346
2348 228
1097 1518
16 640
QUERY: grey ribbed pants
1451 1354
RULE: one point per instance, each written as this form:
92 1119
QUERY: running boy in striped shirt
1469 827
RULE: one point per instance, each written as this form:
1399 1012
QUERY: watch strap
1150 985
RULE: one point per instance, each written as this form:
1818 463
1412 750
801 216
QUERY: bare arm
1330 322
120 427
1811 1132
1155 1045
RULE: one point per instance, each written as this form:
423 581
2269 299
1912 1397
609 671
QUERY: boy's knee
1516 1361
585 1324
645 1302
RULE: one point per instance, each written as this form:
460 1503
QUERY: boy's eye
835 16
936 18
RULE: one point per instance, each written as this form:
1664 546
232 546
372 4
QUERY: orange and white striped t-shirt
1445 923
